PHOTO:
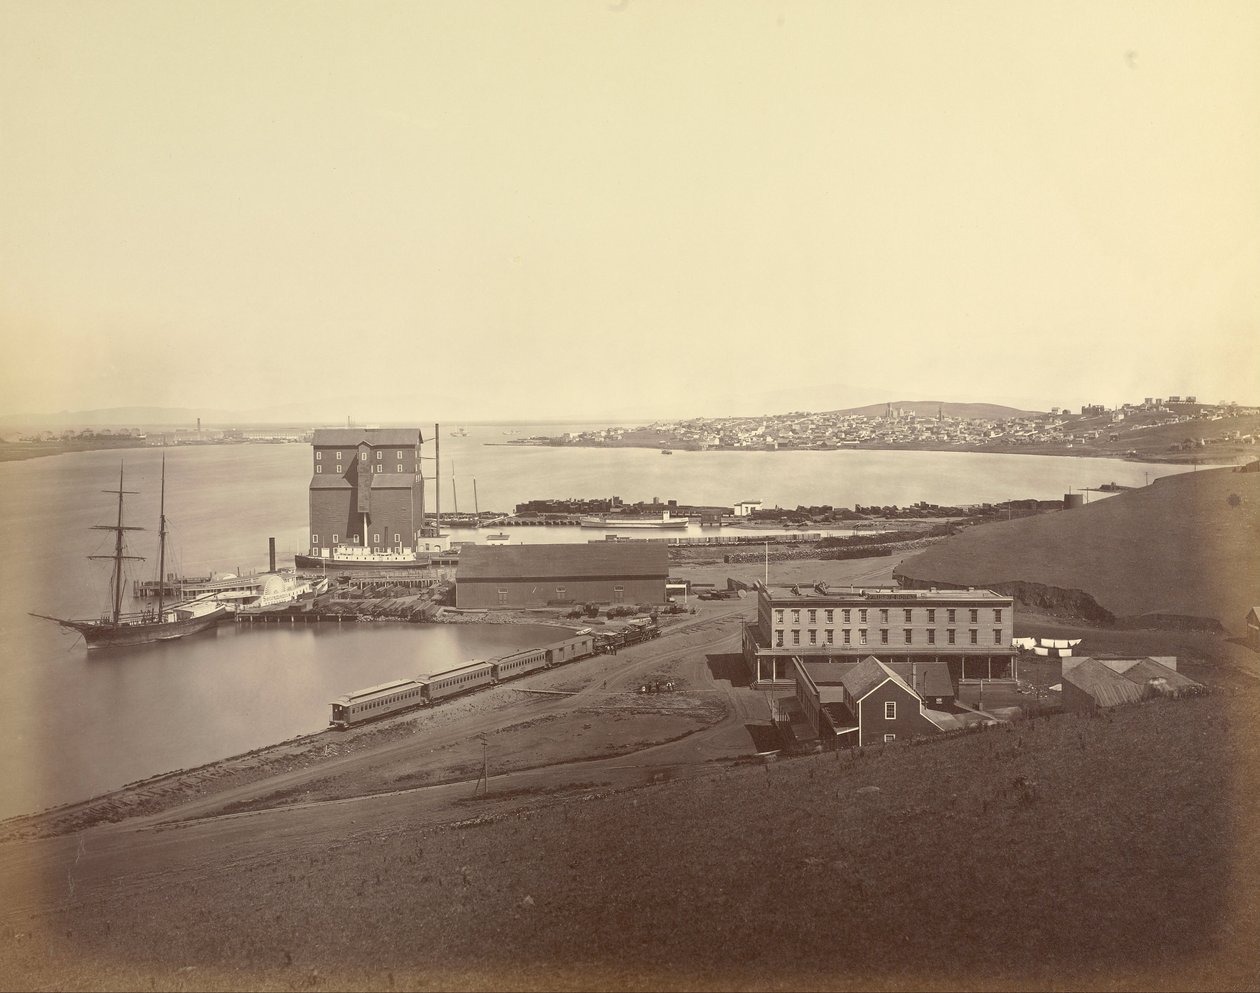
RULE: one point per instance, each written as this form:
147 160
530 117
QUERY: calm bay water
80 724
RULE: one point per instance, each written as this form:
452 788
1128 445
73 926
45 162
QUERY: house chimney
271 544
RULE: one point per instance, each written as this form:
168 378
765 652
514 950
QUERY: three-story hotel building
971 630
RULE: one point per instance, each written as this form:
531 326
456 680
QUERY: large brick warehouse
556 575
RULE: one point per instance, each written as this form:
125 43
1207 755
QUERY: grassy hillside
1114 852
1188 545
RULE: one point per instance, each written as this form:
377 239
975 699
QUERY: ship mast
116 583
162 544
437 489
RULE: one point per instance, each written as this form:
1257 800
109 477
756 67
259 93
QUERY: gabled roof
1253 614
1107 687
393 480
1144 670
329 481
599 560
867 675
379 437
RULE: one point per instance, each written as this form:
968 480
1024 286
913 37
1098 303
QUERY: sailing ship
123 630
619 521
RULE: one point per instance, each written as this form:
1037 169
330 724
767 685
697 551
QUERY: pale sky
588 209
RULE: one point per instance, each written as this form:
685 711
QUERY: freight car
377 701
580 646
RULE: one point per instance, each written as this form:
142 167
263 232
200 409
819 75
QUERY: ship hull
124 635
343 565
678 524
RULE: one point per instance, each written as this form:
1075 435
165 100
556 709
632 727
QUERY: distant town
1172 429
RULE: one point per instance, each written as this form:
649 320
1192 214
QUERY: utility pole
485 768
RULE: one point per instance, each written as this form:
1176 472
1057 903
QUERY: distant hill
929 408
1187 546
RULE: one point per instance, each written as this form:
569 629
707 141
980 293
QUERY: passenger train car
404 694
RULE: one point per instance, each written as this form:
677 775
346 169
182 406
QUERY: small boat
497 539
163 623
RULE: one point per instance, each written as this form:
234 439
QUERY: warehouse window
949 636
909 636
975 616
376 539
319 456
796 617
813 636
319 468
778 639
883 614
796 637
399 469
908 618
974 636
830 618
846 633
813 617
997 616
890 710
949 615
862 615
314 539
397 538
778 615
931 616
339 456
561 592
883 636
847 612
399 455
890 737
862 636
931 636
997 636
619 594
334 539
830 636
379 456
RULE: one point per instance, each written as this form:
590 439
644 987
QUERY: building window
339 456
813 636
997 636
997 615
862 636
334 539
399 469
890 710
830 635
949 615
619 594
890 737
847 612
778 616
314 539
778 639
319 456
974 636
398 454
931 636
949 636
813 617
376 539
883 615
319 468
796 617
931 616
355 539
846 632
379 456
397 539
502 594
908 618
975 616
561 592
862 616
796 637
380 468
883 636
909 636
830 616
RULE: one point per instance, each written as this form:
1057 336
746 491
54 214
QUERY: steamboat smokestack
271 547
